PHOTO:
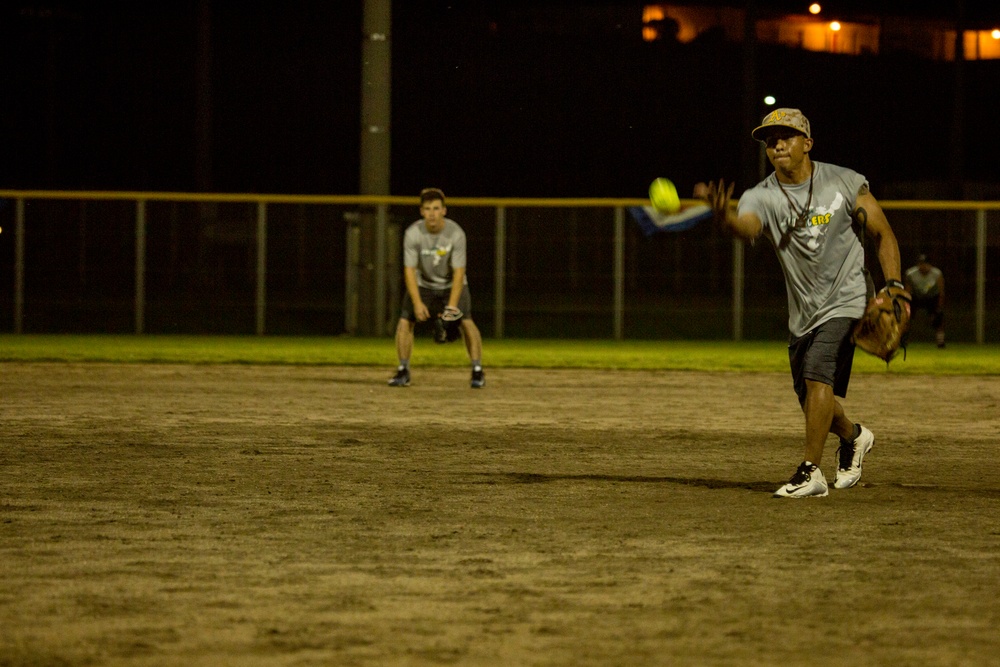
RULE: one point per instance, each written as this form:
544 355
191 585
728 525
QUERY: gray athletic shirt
434 255
822 259
925 286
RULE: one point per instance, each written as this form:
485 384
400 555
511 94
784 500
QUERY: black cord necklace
800 214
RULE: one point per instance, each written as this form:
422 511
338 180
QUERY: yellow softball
663 196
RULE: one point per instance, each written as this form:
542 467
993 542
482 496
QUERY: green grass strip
752 356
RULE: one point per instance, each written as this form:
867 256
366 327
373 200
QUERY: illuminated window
651 14
808 31
982 44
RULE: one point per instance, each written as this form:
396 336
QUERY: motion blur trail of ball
663 196
665 213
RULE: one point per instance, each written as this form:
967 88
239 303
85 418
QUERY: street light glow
769 100
835 26
814 8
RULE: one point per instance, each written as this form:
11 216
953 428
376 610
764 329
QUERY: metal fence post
140 265
738 278
351 277
619 271
980 276
499 271
19 266
261 266
381 224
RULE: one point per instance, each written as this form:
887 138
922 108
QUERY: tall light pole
748 154
956 158
376 89
203 98
366 281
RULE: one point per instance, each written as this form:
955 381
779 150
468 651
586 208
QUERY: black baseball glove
448 326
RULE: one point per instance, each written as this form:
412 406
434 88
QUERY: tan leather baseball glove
881 331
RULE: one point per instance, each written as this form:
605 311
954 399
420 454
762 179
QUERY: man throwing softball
437 288
814 213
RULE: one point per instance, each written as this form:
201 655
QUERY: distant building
857 34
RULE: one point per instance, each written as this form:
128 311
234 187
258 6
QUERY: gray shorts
825 354
436 300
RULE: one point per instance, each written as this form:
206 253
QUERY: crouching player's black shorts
436 300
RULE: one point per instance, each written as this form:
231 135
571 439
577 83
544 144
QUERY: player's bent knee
404 326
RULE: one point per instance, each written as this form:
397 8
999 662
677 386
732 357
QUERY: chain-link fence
234 264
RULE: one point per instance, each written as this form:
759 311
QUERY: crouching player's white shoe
807 481
852 455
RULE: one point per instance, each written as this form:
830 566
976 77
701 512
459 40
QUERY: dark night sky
101 95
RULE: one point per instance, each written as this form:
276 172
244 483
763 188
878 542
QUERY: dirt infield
271 515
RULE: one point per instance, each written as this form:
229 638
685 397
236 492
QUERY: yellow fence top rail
395 200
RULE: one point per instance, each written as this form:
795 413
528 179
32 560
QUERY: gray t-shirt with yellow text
925 285
821 257
434 255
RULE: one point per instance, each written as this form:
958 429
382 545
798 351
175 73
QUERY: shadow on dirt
536 478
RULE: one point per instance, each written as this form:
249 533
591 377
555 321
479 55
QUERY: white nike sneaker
852 454
807 481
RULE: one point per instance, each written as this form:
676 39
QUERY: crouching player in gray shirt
436 285
813 213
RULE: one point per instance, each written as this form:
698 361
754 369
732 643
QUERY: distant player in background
813 213
926 283
434 261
